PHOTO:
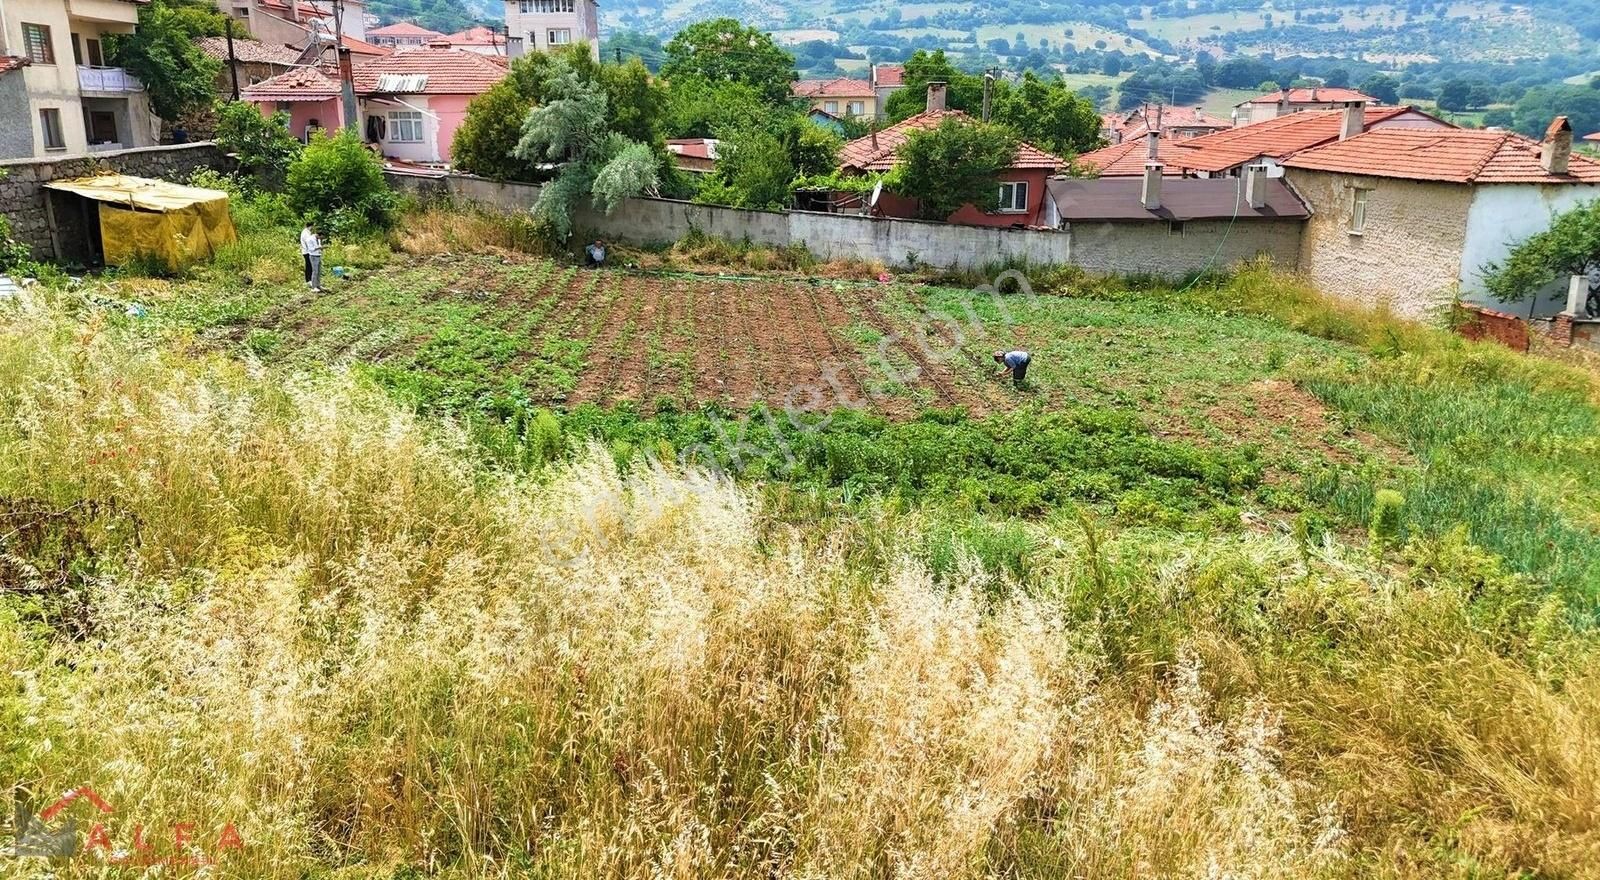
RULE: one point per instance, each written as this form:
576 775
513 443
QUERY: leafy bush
338 183
263 144
956 164
1387 507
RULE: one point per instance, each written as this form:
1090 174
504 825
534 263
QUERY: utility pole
618 51
346 74
988 84
233 61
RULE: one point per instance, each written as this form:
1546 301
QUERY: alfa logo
42 836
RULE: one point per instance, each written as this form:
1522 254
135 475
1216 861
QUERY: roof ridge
1488 157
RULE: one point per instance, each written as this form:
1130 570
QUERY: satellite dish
877 190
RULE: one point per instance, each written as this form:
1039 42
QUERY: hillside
485 565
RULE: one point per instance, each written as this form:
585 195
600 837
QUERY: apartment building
546 24
55 79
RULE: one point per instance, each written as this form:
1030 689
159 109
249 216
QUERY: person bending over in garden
311 253
1015 363
594 254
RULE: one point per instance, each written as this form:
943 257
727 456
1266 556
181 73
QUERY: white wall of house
533 20
1501 216
76 30
398 142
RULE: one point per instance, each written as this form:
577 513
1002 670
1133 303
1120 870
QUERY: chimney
439 43
1150 193
1556 150
1152 144
1313 94
1255 185
1354 120
1283 101
936 92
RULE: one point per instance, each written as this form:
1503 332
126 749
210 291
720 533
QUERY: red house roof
889 75
477 36
839 87
1127 159
299 84
402 29
1313 95
1134 124
1592 137
250 51
441 71
861 155
9 63
362 47
1453 155
1279 137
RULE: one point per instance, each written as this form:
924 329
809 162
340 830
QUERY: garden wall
22 192
1122 248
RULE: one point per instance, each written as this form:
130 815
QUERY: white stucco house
1407 218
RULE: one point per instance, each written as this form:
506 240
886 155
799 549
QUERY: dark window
50 127
1175 227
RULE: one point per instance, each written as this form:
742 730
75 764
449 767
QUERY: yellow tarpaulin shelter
139 216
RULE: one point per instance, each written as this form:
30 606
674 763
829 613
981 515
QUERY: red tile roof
1317 95
890 74
1454 155
362 47
9 63
1282 136
448 71
299 84
402 29
696 148
250 51
1133 124
1592 137
860 155
477 36
838 87
1127 159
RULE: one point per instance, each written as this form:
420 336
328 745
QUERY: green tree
964 91
955 164
1580 104
1570 246
163 53
1048 115
1385 88
1455 95
634 44
753 171
572 128
338 183
723 50
263 145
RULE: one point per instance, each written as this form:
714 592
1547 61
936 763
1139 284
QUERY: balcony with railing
107 80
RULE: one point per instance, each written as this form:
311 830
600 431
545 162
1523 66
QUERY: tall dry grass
300 610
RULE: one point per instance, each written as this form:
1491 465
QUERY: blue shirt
1015 359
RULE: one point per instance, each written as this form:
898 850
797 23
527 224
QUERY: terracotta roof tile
1318 95
1453 155
9 63
1127 159
250 51
362 47
1284 136
477 36
1592 137
860 155
299 84
838 87
448 71
890 74
1133 123
402 29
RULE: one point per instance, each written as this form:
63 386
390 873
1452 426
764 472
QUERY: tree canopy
955 164
163 53
1043 112
723 50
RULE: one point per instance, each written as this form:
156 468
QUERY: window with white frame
1013 196
830 107
559 36
1358 210
856 108
405 127
529 7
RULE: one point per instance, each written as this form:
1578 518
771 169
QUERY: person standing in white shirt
311 251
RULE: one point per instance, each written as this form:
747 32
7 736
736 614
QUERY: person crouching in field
1015 363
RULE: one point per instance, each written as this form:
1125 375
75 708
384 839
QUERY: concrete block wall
22 192
1122 248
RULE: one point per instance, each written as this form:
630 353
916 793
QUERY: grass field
481 565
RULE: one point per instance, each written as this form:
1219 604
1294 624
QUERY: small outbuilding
112 219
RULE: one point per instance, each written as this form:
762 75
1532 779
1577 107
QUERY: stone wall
16 135
1124 248
1407 258
22 192
1174 250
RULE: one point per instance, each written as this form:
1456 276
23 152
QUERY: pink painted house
409 103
